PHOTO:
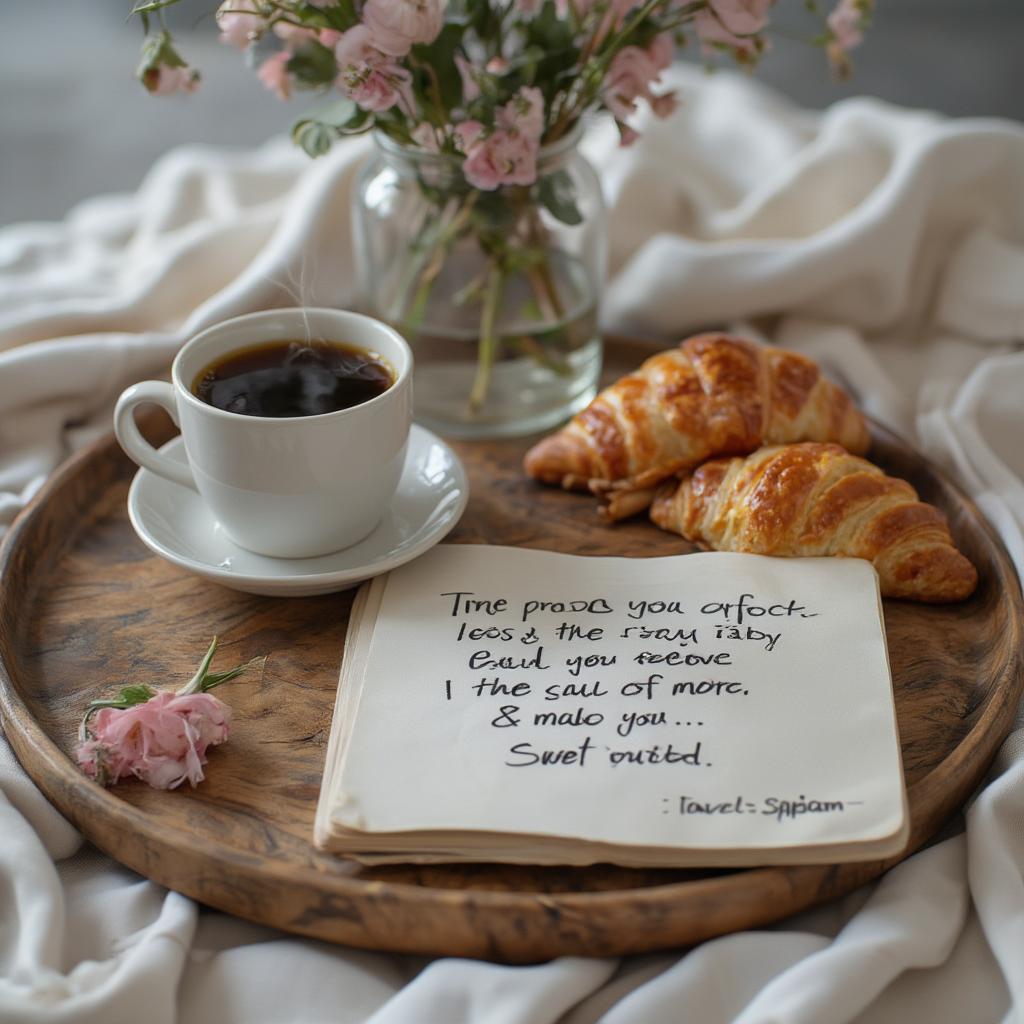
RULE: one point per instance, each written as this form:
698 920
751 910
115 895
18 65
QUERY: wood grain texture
85 607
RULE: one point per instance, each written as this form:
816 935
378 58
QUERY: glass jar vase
495 291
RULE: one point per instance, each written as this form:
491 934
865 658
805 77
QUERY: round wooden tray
85 607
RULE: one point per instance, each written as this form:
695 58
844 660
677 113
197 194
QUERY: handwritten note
710 701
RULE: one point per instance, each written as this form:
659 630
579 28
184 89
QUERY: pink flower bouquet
487 86
423 67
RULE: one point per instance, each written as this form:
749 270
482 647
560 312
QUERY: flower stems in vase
511 239
488 338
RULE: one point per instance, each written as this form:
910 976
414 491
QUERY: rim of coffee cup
402 373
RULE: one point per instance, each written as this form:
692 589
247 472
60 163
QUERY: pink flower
425 136
467 133
369 76
620 9
627 135
470 86
523 113
613 17
661 51
273 73
846 23
508 155
664 105
163 80
162 741
503 158
294 35
629 77
741 17
713 35
632 73
396 25
733 25
239 27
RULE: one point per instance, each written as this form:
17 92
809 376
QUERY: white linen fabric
888 243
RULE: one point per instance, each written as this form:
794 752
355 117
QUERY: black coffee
293 378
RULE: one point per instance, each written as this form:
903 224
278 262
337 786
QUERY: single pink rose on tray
157 736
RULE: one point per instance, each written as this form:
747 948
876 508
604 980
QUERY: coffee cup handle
149 392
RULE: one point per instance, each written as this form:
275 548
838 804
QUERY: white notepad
501 704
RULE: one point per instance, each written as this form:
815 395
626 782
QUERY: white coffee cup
292 487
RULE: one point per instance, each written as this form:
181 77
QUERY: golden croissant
713 394
818 499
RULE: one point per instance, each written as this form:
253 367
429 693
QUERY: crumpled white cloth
888 243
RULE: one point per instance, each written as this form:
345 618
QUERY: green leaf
435 63
524 258
484 18
341 15
144 7
549 40
313 64
494 215
128 697
314 137
157 50
138 693
316 133
530 55
213 679
558 194
341 113
394 125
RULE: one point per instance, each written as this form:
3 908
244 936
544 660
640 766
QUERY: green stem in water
418 307
540 277
531 347
432 263
550 287
427 238
488 346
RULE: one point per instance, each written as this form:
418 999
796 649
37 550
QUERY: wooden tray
84 606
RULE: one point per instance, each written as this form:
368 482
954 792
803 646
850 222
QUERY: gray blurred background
74 122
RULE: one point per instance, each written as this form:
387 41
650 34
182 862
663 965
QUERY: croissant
713 394
818 499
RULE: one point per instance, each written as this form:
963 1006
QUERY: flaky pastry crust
817 499
713 394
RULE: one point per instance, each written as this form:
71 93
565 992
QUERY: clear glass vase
496 291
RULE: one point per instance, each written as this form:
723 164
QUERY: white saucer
175 523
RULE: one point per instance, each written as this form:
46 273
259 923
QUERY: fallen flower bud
157 736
